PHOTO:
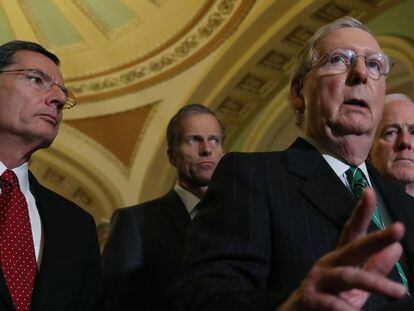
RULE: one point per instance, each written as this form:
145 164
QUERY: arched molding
401 51
86 162
59 171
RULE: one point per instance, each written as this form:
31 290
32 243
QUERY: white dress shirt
338 166
340 169
22 173
190 200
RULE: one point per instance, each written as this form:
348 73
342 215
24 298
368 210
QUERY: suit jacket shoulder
143 252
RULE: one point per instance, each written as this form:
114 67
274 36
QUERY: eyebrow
47 76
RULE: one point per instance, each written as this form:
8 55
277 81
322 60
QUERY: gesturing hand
344 278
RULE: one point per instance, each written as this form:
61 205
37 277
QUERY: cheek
332 92
325 92
378 94
218 152
186 159
385 152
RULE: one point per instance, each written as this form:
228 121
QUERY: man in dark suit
145 245
393 150
49 255
272 232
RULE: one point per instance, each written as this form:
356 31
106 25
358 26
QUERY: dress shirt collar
337 165
22 173
190 200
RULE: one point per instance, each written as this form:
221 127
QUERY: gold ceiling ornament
205 34
102 25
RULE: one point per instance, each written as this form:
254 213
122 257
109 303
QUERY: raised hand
344 278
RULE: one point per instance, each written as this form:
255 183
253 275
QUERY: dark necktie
17 256
358 182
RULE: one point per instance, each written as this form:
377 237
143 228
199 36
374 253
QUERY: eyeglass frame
347 66
47 84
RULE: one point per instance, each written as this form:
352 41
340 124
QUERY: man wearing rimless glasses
314 227
49 254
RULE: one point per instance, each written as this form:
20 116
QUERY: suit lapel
47 276
173 207
320 185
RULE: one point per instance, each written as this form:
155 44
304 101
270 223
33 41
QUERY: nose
205 148
404 140
358 72
56 97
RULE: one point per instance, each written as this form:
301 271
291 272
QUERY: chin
353 128
44 139
405 177
202 181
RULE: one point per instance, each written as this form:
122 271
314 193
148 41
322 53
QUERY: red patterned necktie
17 256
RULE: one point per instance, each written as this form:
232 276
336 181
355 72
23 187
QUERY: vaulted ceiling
132 64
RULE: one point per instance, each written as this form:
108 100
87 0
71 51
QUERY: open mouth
356 102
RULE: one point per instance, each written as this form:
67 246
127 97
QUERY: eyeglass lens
339 60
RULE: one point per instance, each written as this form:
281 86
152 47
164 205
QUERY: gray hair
308 56
396 96
173 131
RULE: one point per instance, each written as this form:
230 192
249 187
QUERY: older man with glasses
49 254
314 227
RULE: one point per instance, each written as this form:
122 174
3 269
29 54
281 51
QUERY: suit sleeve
123 265
228 250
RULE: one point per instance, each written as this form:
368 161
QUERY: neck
353 149
13 155
199 192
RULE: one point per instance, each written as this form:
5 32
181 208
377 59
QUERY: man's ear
171 158
296 96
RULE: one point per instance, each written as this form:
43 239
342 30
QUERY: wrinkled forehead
355 39
25 59
200 122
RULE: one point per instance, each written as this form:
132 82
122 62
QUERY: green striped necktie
357 182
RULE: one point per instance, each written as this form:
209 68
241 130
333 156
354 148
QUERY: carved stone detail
233 107
274 60
331 11
299 36
54 177
191 44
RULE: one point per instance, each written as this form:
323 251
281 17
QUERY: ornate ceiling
132 64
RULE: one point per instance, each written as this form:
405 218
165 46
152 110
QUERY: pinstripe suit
266 219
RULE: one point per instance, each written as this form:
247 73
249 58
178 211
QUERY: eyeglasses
43 82
340 60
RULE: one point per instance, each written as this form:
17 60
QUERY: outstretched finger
358 252
383 262
342 279
358 222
